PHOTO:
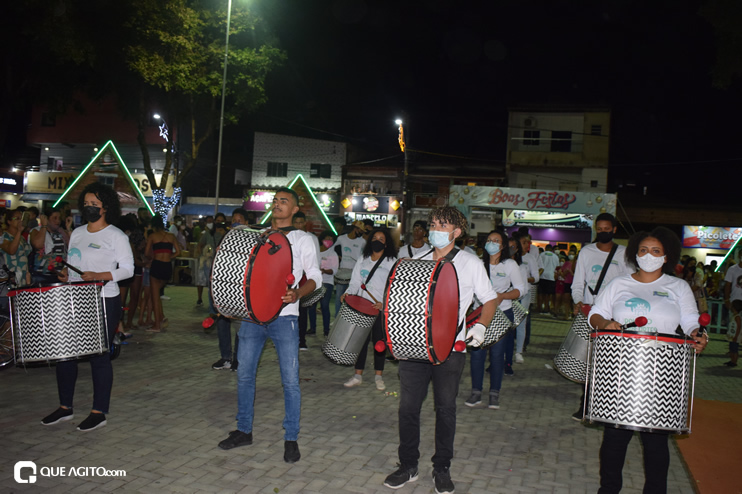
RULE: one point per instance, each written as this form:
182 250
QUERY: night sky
453 68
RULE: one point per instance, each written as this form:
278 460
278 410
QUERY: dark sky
455 67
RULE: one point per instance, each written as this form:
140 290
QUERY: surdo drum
640 381
350 330
249 273
59 321
421 310
496 330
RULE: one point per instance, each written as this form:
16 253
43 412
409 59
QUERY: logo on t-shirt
660 294
638 306
364 273
597 268
502 275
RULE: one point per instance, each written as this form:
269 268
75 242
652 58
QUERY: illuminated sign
464 196
11 183
57 182
710 237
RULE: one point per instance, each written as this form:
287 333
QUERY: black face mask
91 214
604 237
377 246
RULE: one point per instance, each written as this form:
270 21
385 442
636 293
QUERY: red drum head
361 305
267 281
443 308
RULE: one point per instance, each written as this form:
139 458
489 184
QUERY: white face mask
210 226
439 240
649 264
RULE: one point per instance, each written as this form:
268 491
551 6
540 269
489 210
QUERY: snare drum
571 359
350 330
421 310
248 276
640 381
519 313
314 297
496 330
534 295
59 321
342 276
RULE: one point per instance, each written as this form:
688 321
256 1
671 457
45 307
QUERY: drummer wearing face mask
667 302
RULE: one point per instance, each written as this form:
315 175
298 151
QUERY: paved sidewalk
169 410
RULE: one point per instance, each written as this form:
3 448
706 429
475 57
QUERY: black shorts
161 270
547 287
568 288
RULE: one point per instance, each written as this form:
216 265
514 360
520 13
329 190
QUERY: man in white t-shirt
351 247
547 284
418 244
446 224
733 285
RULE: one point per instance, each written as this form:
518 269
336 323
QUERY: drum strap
373 270
448 257
604 271
409 249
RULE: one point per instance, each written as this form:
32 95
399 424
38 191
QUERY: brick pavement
169 411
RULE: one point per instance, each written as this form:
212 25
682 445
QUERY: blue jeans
284 332
520 336
325 306
497 361
224 333
339 290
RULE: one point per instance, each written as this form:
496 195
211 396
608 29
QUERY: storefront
382 210
560 218
11 188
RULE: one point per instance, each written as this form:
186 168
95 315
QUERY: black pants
377 333
613 454
100 366
414 378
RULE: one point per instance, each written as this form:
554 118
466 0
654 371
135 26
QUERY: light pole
221 116
403 147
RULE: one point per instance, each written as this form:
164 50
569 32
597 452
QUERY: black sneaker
401 477
58 415
291 452
94 421
235 364
303 347
577 416
236 439
730 364
443 483
508 370
222 364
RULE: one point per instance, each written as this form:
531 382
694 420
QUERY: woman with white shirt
379 256
328 264
516 254
102 252
667 302
504 274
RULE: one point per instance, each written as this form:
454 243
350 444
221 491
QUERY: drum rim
254 253
667 337
432 354
638 428
41 286
371 311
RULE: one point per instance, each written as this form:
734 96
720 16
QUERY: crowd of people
134 254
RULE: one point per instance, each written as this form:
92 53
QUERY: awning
39 197
206 209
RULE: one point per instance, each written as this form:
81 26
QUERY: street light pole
403 146
221 117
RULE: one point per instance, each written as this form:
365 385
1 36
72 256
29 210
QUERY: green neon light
731 251
311 194
121 165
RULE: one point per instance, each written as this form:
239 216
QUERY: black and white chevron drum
249 274
314 297
571 359
497 329
350 330
421 310
61 321
640 381
519 313
534 295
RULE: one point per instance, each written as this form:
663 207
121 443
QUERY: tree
178 49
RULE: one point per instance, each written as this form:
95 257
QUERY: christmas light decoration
163 205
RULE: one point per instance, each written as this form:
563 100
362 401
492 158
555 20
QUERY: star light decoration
163 205
163 131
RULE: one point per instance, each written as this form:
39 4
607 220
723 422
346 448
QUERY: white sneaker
519 358
164 297
380 383
353 381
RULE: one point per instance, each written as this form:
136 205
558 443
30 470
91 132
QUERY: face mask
327 243
649 264
210 226
604 237
571 257
178 223
234 225
492 248
377 246
91 214
439 240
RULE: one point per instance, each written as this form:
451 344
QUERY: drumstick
63 262
703 321
363 287
639 322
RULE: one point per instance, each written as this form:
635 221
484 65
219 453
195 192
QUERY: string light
163 205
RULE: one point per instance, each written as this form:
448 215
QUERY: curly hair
327 234
452 216
670 244
108 197
504 247
390 250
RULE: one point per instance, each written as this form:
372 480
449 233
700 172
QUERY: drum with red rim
640 381
350 330
421 310
249 272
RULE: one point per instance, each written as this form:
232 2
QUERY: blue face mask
439 240
492 248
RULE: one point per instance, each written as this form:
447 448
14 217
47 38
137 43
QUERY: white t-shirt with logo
351 250
549 261
473 280
104 251
404 251
666 303
378 281
587 272
734 277
504 275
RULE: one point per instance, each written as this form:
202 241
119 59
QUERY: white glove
475 335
